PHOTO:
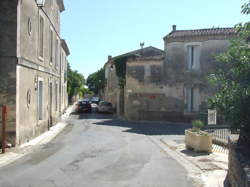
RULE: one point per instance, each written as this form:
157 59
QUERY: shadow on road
147 128
137 127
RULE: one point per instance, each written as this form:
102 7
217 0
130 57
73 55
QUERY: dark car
83 106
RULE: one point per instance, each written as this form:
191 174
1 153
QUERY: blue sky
95 29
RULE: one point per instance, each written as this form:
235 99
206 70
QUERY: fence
220 132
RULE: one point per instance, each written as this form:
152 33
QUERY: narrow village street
98 150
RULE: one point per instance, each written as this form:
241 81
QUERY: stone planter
198 142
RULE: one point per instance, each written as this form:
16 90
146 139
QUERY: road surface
97 150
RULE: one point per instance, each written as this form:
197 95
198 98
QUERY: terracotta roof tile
200 32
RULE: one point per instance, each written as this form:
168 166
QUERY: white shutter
189 57
196 99
196 57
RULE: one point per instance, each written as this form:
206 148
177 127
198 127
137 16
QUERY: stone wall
8 61
146 95
177 74
238 166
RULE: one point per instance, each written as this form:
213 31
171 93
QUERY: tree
233 83
76 83
96 81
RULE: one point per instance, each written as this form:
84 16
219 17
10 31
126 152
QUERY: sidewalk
17 152
208 170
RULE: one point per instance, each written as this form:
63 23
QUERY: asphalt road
97 150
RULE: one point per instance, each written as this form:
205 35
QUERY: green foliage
75 84
96 81
197 124
120 66
233 82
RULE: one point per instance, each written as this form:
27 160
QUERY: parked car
105 107
83 106
95 100
87 100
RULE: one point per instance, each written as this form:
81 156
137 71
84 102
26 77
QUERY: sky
94 29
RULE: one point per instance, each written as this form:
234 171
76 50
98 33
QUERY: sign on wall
211 117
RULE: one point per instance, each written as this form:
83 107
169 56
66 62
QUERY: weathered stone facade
112 91
190 58
173 85
32 66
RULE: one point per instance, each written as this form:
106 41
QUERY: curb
195 174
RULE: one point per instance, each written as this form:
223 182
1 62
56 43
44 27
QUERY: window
29 26
56 95
41 36
51 47
193 57
40 100
56 53
192 99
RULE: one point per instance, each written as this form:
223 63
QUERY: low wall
238 166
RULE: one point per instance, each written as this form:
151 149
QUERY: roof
200 32
65 47
144 52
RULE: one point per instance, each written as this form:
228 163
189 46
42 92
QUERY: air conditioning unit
40 2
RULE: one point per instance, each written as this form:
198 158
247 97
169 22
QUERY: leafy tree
120 66
233 83
96 81
76 83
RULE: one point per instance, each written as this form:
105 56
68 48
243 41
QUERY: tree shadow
147 128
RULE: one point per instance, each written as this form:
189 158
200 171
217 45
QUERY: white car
105 107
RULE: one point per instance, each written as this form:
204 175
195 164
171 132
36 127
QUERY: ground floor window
40 99
192 99
56 95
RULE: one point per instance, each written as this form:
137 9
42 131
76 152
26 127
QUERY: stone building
190 58
112 91
174 86
33 65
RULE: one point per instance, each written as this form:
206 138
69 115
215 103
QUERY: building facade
174 86
112 91
33 65
190 59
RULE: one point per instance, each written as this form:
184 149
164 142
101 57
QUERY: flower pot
198 141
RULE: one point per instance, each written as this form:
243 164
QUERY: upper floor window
51 47
56 53
41 36
193 57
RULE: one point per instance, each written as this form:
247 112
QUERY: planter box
194 140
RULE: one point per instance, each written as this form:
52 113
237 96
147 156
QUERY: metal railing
220 132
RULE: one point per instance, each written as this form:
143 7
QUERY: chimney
109 57
174 28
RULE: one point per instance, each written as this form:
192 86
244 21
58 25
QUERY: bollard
4 119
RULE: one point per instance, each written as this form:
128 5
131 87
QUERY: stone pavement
211 168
